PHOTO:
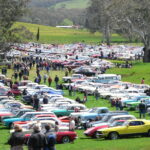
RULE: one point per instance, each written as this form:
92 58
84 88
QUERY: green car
67 110
134 105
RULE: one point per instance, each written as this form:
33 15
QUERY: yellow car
129 128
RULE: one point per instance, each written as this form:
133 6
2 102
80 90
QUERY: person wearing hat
37 140
16 139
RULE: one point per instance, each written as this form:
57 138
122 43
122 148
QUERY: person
37 140
120 104
78 99
96 94
71 124
117 104
50 138
45 78
142 109
56 80
35 102
24 91
143 81
16 139
70 90
45 100
49 81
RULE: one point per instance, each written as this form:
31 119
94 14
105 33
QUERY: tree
10 11
134 17
38 34
99 18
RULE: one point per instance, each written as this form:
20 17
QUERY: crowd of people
36 141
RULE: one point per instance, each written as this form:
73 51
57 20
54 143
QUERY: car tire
96 135
148 133
65 139
113 136
10 126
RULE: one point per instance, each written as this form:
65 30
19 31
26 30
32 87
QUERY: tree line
130 18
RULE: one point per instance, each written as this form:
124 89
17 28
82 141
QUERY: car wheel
96 135
10 126
65 139
148 133
113 136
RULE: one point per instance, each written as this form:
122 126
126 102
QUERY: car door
136 127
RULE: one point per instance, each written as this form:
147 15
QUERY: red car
92 132
64 119
15 91
62 137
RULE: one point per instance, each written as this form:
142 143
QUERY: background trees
130 17
10 11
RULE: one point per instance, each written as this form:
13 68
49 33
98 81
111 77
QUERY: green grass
72 4
62 36
134 74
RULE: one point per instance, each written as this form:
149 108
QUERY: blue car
52 91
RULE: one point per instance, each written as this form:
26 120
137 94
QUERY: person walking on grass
49 81
56 80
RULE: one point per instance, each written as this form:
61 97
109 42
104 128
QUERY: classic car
19 114
62 137
69 109
107 117
92 132
26 117
114 118
74 76
97 112
134 105
129 128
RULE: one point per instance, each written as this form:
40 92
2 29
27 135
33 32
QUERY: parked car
26 117
129 128
92 132
74 76
61 137
97 112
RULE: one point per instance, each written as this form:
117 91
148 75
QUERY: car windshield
93 110
117 123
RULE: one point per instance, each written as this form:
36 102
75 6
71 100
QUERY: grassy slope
140 70
61 36
73 4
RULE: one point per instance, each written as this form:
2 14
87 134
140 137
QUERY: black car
87 72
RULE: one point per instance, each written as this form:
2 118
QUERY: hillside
72 4
59 35
59 3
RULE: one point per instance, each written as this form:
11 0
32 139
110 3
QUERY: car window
136 123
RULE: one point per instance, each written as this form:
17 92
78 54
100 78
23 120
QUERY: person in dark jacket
45 100
37 140
16 140
142 109
50 138
56 80
35 102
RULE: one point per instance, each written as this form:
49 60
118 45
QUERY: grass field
134 74
62 36
73 4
